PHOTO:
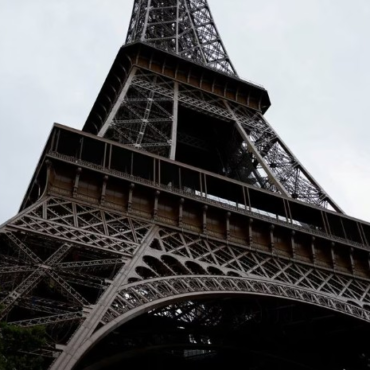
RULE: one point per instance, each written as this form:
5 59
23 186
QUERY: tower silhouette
177 228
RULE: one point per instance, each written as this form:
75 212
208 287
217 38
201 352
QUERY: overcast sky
313 56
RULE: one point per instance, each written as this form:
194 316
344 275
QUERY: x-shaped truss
41 269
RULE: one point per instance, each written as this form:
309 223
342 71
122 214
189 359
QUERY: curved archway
140 297
218 332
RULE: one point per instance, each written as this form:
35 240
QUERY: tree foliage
17 345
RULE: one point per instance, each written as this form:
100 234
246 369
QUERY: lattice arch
171 266
141 297
173 253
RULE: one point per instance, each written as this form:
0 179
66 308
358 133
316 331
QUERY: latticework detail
184 27
185 194
255 154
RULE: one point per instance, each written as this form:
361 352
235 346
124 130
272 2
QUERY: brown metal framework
108 231
150 96
177 190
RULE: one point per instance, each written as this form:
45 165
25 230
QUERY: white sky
313 56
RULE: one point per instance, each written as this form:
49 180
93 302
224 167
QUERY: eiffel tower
178 229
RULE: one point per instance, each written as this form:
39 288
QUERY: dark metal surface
252 333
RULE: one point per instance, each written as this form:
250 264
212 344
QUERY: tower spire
183 27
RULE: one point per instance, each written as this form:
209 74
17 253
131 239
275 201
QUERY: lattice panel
139 294
84 224
202 256
184 27
49 282
144 120
262 159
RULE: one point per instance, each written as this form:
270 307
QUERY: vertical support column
228 215
110 156
204 219
313 250
81 148
352 261
292 241
103 190
272 239
76 182
181 211
177 26
288 211
130 194
362 231
174 120
325 222
154 171
332 253
250 231
45 210
155 210
57 142
105 156
49 176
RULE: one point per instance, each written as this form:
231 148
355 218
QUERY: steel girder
183 27
152 266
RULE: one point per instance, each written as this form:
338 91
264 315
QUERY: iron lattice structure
147 117
146 112
176 197
183 27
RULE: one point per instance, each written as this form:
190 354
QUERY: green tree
16 346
